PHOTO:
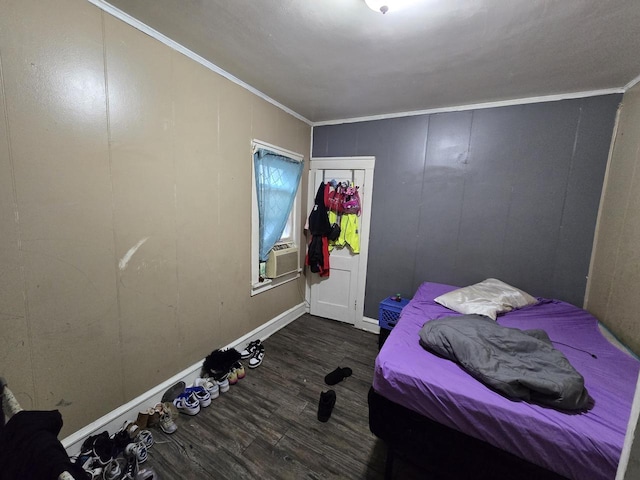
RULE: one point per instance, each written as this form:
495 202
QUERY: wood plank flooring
266 426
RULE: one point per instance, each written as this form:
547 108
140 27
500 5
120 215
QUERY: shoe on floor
337 375
187 403
173 392
232 376
170 408
166 423
326 404
146 474
145 437
257 357
250 349
104 448
131 468
137 450
93 468
201 394
239 369
221 381
114 469
209 386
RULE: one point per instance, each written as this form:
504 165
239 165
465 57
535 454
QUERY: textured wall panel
125 176
508 192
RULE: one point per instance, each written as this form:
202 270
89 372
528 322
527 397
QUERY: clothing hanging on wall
319 227
349 232
344 209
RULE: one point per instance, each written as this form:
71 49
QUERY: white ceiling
337 59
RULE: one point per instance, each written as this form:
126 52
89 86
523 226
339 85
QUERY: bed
430 409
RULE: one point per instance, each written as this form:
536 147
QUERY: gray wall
508 192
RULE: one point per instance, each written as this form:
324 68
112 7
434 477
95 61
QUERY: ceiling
337 59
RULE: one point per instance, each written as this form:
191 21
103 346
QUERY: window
275 212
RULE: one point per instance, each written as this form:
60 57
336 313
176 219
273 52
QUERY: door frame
366 163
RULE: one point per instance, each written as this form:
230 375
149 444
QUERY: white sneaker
137 450
114 469
209 386
201 394
223 383
167 425
250 349
187 403
258 356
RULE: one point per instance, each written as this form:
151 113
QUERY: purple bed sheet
578 446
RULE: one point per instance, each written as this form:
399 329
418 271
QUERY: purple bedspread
576 445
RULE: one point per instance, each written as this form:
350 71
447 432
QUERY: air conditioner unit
283 259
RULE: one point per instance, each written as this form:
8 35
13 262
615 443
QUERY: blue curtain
277 180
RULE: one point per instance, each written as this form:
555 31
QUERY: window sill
269 283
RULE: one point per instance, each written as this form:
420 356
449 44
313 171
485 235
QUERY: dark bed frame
442 452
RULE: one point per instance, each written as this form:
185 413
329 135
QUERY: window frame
258 286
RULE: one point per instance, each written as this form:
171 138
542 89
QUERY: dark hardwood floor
266 426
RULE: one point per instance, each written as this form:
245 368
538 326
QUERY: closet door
341 295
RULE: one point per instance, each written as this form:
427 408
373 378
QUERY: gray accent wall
509 192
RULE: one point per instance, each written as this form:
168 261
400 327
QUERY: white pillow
488 297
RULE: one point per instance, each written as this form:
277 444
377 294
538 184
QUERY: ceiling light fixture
385 6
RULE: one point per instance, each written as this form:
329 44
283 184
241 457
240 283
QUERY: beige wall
108 140
614 282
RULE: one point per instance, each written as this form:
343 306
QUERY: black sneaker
131 469
104 448
120 440
250 349
257 357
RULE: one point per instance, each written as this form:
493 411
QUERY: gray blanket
517 363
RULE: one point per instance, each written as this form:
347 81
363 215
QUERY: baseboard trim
114 420
370 325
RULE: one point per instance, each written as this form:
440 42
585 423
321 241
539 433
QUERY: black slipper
337 375
326 404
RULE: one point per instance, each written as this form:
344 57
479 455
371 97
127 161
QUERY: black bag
334 233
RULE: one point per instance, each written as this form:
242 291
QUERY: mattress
575 445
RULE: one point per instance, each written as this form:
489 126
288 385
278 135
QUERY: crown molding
135 23
475 106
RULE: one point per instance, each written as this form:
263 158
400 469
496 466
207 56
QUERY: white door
341 295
